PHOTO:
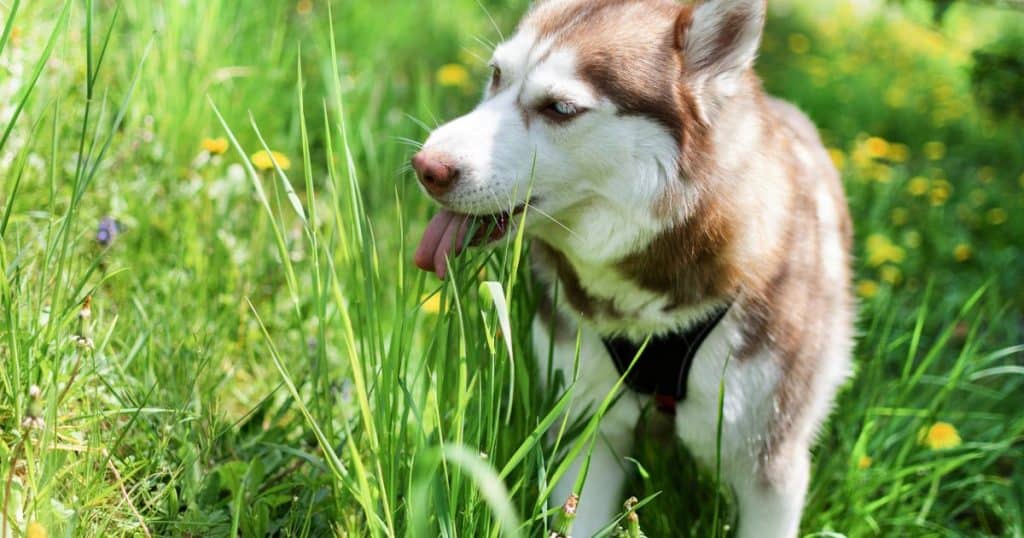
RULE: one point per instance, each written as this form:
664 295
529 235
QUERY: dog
670 203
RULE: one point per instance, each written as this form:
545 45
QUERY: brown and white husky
667 191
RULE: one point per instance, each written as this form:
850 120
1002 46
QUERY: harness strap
664 367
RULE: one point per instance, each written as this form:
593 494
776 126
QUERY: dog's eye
561 111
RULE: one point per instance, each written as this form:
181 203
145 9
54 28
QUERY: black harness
664 367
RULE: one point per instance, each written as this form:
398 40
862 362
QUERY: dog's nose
436 172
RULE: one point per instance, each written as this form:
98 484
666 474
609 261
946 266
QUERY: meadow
210 324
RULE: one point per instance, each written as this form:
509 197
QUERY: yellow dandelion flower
918 186
838 157
996 216
880 173
940 192
799 44
986 174
935 150
963 252
304 7
890 274
877 147
35 530
899 216
978 197
898 153
432 304
264 160
453 75
912 239
864 462
215 146
867 288
940 436
881 250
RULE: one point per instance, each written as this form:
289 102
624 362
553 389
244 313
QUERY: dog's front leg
771 499
602 496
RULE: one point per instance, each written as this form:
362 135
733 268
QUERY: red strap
666 403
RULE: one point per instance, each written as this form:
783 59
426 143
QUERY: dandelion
35 530
867 288
880 173
83 342
898 153
986 174
107 231
918 186
864 462
890 274
304 7
215 146
838 157
934 150
86 312
432 304
899 216
912 239
940 192
264 160
881 250
877 147
996 216
34 412
940 436
962 252
453 75
799 44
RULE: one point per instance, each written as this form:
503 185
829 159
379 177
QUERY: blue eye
561 111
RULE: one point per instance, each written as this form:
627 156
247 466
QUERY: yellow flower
864 462
891 274
898 153
899 216
880 173
940 193
935 150
304 7
940 436
263 160
912 239
432 304
962 252
877 147
996 216
918 186
35 530
799 44
867 288
838 157
215 146
454 75
881 250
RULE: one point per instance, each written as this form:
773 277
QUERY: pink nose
435 171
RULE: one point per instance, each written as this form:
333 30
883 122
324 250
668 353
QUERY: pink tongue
444 235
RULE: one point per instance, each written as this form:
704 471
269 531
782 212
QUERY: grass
259 357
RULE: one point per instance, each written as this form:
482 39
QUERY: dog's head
599 113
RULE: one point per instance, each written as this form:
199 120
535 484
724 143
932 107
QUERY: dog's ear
720 36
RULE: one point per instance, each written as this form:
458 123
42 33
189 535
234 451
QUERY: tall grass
258 357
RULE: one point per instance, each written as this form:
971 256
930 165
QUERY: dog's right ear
720 36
